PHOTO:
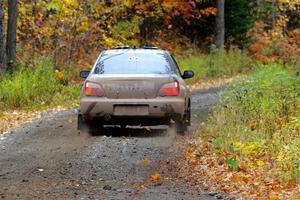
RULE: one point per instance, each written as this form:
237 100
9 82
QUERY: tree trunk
12 30
220 20
2 40
273 13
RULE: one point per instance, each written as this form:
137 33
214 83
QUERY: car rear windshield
133 63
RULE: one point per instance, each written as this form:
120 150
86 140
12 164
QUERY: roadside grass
257 124
34 89
217 64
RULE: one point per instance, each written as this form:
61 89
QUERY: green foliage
34 88
217 64
239 19
127 30
217 142
232 164
267 99
258 120
201 116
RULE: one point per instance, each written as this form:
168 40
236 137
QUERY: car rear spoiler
134 47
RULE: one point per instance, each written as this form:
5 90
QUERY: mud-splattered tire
84 125
188 116
181 128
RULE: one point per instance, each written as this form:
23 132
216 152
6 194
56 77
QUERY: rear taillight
93 89
170 89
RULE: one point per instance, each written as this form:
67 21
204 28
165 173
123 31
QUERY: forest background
254 134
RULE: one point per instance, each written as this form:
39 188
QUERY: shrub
258 118
217 64
33 88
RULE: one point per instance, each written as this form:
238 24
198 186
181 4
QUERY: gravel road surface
49 159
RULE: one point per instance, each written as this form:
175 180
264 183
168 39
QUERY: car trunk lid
132 86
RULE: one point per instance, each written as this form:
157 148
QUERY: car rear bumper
163 107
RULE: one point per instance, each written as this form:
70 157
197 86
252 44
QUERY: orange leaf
155 177
145 161
236 178
273 197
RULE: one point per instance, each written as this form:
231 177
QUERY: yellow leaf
260 163
59 74
155 177
145 161
235 178
273 197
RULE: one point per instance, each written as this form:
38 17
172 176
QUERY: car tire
181 128
89 126
188 116
81 125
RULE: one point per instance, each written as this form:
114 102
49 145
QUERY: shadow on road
139 132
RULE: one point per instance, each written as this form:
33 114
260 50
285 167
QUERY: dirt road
49 159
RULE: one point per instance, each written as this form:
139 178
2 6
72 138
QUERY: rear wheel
181 128
81 124
188 116
89 126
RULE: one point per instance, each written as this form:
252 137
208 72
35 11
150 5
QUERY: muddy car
130 86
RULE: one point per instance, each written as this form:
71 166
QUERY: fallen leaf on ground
155 177
12 119
232 176
142 186
145 161
273 197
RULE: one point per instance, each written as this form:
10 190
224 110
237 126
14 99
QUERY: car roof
135 51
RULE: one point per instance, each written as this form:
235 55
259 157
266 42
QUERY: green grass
217 64
36 88
259 119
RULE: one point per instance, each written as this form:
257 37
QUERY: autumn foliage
75 31
250 146
276 38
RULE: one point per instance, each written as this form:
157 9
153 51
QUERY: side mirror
188 74
84 74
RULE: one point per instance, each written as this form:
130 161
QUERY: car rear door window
133 63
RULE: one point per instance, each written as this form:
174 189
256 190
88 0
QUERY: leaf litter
11 119
205 169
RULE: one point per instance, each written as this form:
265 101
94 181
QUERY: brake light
93 89
170 89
